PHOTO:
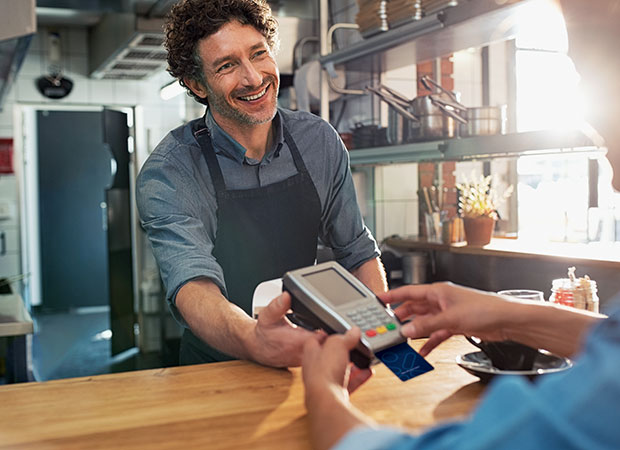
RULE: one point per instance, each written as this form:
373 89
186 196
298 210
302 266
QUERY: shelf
594 253
472 23
478 147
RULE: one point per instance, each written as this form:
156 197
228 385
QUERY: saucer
478 364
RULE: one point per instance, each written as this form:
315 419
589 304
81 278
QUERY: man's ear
196 87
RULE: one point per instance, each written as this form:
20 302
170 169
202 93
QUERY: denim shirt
177 205
575 409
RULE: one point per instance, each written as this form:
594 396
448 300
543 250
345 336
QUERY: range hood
126 46
17 26
129 46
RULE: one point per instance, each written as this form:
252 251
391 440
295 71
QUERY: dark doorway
84 212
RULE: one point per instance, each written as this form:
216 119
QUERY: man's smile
255 96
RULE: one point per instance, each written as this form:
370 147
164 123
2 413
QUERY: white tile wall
396 199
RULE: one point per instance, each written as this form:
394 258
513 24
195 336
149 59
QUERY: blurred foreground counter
223 405
519 264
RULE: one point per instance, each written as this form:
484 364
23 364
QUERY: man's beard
225 109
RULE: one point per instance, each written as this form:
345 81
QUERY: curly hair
189 21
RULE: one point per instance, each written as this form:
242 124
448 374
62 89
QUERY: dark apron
261 234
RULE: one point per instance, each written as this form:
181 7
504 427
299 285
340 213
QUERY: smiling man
246 192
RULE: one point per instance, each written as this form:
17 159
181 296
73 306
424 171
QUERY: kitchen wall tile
126 92
26 89
152 117
400 182
32 65
6 132
101 92
77 66
406 86
6 116
398 218
398 62
80 92
148 93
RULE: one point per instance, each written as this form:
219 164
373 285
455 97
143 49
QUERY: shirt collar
226 144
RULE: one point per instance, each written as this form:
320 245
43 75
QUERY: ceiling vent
126 47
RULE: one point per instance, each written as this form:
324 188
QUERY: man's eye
260 53
224 67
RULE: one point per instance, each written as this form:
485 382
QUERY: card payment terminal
326 296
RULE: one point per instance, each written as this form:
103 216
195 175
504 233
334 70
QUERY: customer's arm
270 340
441 310
329 378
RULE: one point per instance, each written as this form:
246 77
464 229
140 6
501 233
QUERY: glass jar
578 293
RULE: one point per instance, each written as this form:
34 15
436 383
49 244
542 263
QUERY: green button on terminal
391 326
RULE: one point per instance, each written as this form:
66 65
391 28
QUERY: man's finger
276 309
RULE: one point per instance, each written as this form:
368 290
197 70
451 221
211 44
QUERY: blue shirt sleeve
575 409
180 222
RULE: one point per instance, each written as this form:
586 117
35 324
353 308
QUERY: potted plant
478 205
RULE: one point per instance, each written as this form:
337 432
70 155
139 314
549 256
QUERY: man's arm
372 274
270 340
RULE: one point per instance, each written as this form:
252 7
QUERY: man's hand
441 310
275 340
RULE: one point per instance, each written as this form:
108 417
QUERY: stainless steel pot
484 121
402 125
437 126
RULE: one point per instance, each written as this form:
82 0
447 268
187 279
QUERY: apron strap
202 135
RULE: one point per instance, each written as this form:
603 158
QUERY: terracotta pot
478 230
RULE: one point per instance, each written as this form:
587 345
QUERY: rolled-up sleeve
342 226
180 222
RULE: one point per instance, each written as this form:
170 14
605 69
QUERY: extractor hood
126 46
17 26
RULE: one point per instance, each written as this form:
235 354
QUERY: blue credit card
404 361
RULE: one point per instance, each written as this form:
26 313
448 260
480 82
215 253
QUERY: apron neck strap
203 136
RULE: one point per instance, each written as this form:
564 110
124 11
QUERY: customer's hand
327 366
329 377
276 341
441 310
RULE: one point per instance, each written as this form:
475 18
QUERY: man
573 409
243 194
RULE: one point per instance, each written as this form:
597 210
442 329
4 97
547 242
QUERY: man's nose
251 74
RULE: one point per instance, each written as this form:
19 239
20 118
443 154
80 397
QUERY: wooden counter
225 405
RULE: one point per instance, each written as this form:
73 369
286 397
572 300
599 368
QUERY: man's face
241 75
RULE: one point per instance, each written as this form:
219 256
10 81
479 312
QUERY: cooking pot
484 121
401 122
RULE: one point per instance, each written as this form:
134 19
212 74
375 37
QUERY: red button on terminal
371 333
